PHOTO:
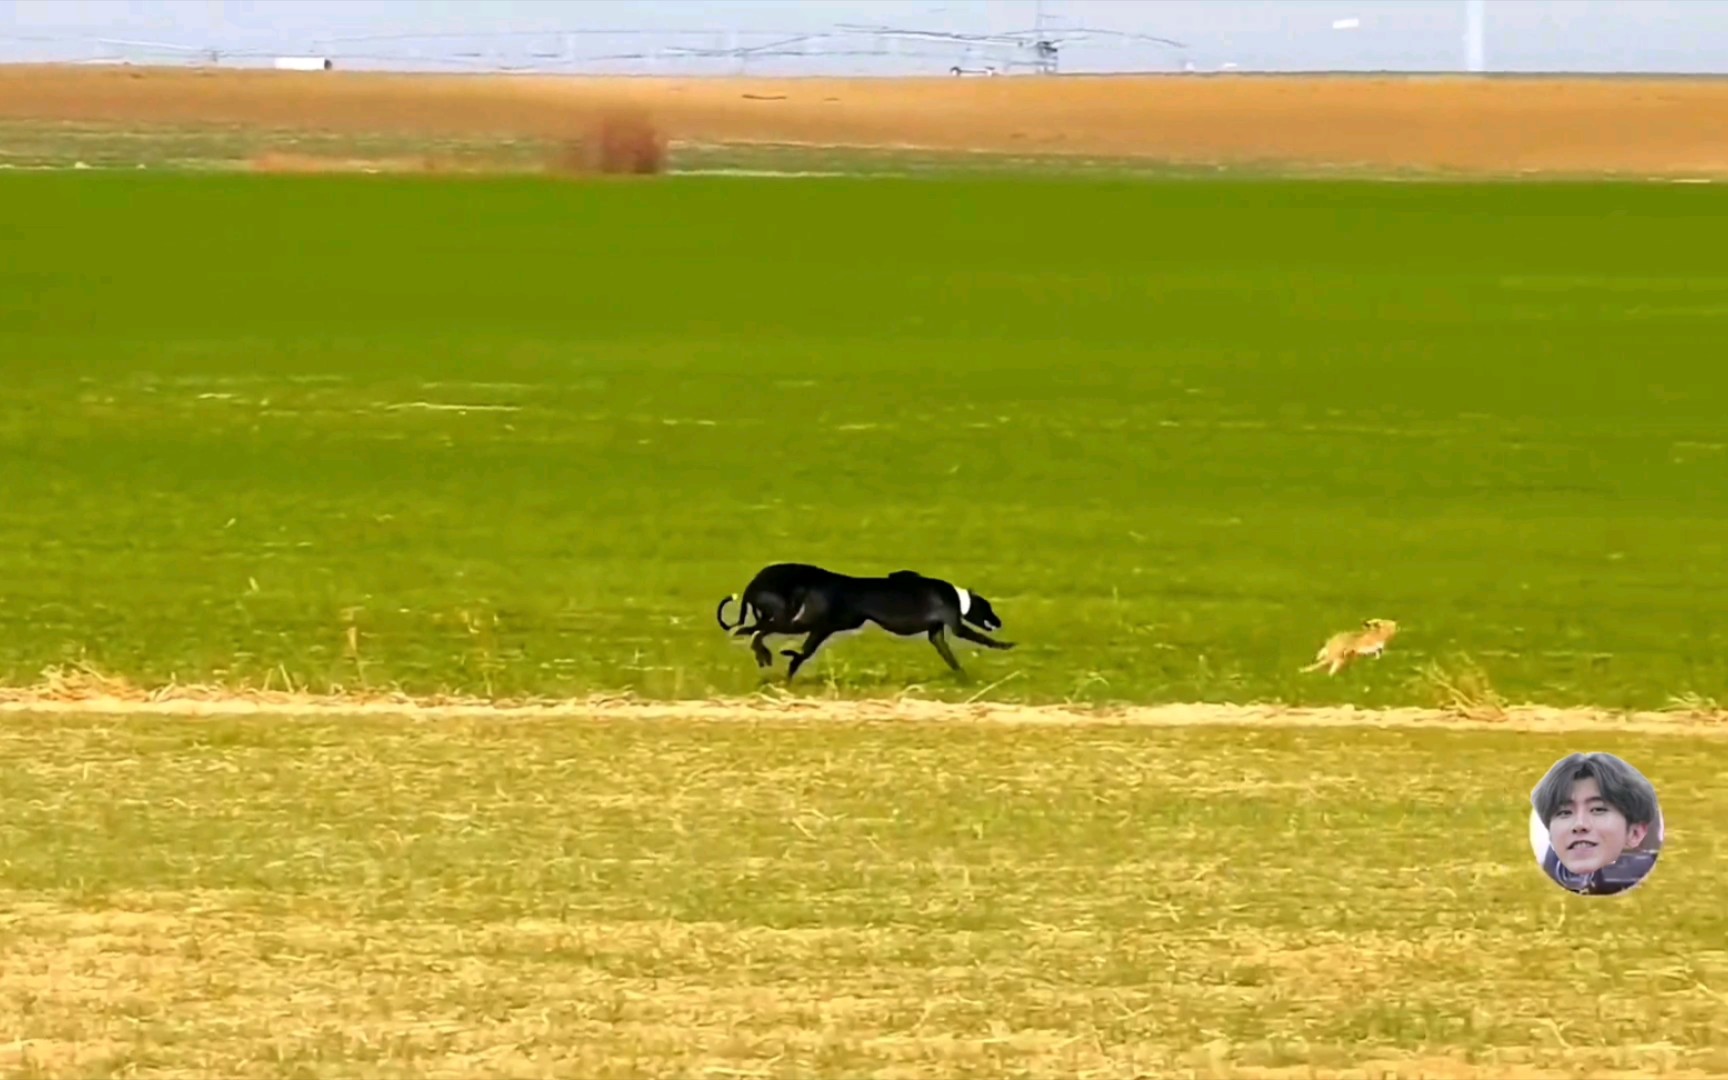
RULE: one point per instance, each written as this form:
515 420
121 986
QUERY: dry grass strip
84 690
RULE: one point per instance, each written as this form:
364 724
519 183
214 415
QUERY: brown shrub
619 142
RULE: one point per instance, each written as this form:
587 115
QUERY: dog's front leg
939 638
979 639
811 644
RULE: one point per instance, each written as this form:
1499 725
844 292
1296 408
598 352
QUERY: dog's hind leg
939 638
764 658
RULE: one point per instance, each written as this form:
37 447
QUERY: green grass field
371 898
1177 432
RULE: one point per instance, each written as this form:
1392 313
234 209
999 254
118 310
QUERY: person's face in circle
1587 833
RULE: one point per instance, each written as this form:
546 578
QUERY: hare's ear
1367 624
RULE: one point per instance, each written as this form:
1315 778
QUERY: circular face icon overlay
1595 824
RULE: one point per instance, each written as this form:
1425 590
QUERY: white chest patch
965 601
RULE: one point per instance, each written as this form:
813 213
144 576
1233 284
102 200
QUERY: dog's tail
720 613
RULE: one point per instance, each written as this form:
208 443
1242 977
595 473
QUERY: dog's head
977 610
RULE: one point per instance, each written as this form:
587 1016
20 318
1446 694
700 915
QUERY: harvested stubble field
546 897
289 460
1517 126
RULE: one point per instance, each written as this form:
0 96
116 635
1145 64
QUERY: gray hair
1623 787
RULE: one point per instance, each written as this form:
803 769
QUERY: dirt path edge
1521 718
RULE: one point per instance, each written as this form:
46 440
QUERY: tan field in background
1637 126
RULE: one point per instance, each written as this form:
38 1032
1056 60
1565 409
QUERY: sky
641 36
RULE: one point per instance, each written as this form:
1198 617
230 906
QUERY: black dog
797 598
